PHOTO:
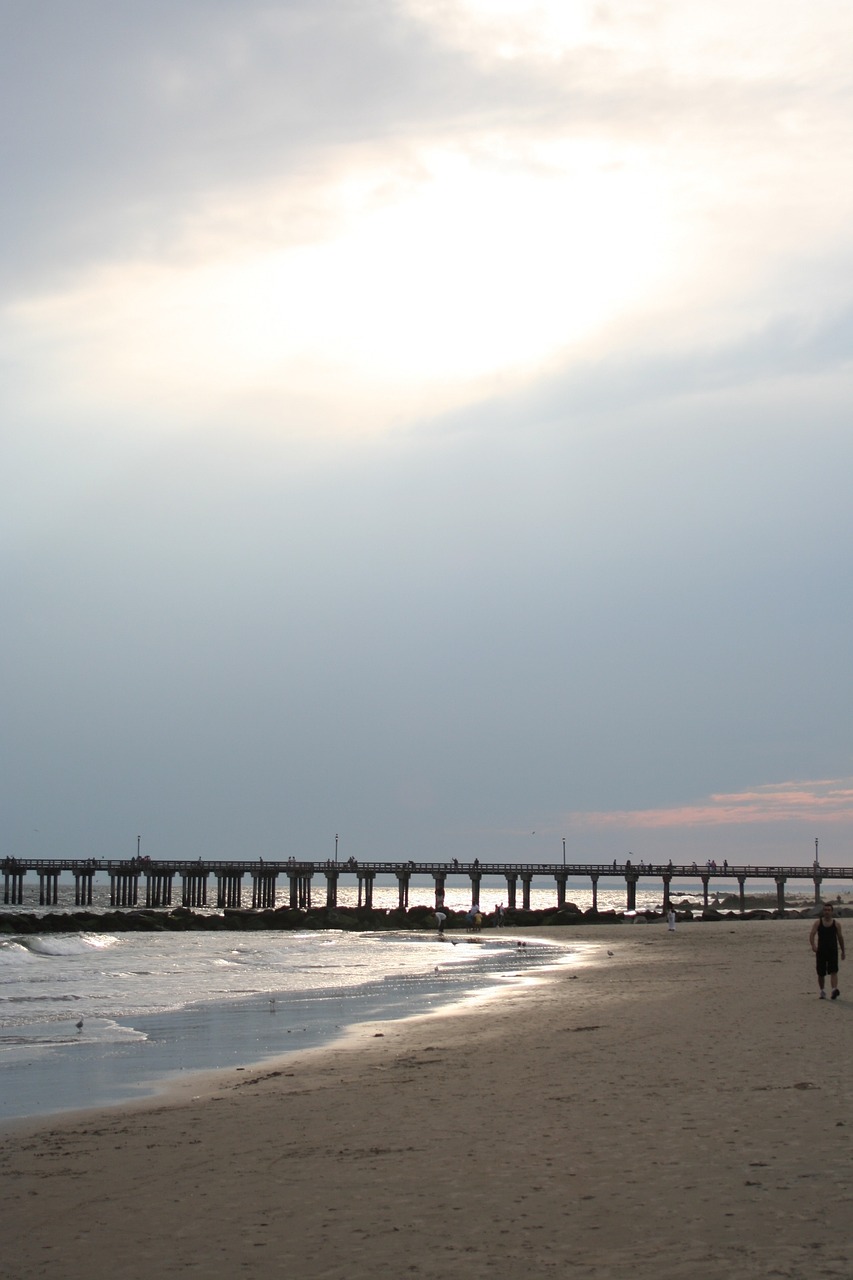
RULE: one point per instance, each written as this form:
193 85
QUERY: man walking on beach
825 940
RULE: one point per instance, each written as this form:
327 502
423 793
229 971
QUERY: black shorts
826 962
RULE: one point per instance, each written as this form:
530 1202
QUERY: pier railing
575 869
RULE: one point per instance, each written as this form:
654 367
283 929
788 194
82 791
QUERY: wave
39 999
65 1031
74 944
12 949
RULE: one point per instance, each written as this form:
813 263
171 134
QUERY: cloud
119 128
328 217
823 801
410 293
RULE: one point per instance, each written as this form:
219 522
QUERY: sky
427 423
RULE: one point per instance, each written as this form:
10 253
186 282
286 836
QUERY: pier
291 882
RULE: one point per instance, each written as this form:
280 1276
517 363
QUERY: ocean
97 1019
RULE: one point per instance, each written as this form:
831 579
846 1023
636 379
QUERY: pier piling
365 887
667 881
780 893
229 888
124 887
331 887
48 888
13 887
526 882
158 889
403 877
83 884
263 889
194 889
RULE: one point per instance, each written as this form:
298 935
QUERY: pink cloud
827 800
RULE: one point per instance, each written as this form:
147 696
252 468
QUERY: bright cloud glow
510 28
758 41
397 278
467 271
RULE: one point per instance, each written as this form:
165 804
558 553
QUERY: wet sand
678 1108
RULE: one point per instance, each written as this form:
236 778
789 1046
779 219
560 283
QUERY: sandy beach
678 1106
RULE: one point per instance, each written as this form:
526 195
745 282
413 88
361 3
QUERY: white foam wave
71 944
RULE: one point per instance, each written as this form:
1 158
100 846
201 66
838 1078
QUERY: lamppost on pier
564 850
336 850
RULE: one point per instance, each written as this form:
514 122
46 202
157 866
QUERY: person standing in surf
826 940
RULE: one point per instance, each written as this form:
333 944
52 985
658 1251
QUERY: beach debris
79 1025
268 1075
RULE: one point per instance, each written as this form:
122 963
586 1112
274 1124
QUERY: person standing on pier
826 940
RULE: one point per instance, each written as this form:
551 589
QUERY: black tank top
827 939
